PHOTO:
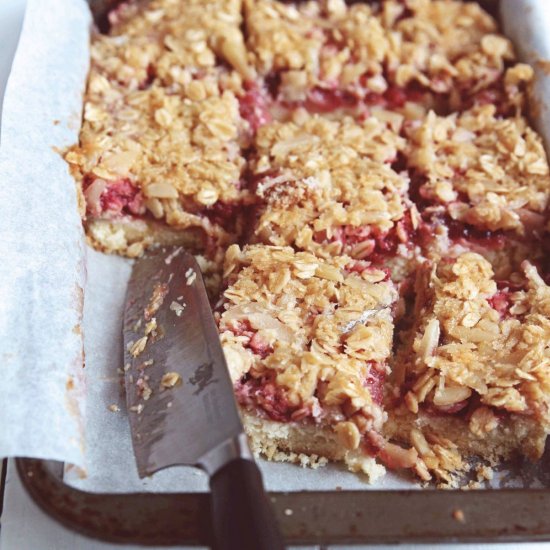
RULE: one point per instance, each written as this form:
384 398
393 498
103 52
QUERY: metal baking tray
306 518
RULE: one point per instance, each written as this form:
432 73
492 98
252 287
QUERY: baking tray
306 518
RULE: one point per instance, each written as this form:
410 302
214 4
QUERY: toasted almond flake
170 379
137 347
150 326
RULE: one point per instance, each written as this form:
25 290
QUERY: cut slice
480 182
306 341
398 55
474 375
327 187
159 158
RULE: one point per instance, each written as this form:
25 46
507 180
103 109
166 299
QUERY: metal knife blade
169 328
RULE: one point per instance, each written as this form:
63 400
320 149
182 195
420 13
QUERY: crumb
150 326
137 408
137 325
170 379
168 259
177 308
114 408
137 347
127 367
458 515
160 291
288 511
190 276
169 405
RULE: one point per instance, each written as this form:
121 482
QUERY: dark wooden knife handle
243 517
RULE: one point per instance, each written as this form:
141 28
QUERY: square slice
307 342
481 182
327 187
399 55
474 374
159 157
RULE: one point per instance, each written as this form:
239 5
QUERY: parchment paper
41 246
109 457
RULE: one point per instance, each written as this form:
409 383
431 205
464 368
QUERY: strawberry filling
254 108
117 197
264 394
376 245
375 384
501 302
255 342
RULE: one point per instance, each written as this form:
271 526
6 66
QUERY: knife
180 399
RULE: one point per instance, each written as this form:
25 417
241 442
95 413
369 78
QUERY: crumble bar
481 182
307 342
408 55
474 374
160 153
360 139
327 187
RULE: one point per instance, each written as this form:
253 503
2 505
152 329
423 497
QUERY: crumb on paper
138 347
160 290
170 379
177 308
458 515
169 405
145 364
288 511
144 390
137 408
114 408
127 367
190 276
137 325
150 326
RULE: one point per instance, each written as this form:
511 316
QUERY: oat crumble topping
480 344
489 172
282 325
327 186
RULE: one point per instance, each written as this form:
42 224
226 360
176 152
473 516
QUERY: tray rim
308 517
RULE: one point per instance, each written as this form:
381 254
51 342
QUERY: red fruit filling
262 393
113 197
375 383
378 245
255 342
254 108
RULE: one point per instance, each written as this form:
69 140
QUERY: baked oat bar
327 187
400 55
307 342
473 377
159 157
481 182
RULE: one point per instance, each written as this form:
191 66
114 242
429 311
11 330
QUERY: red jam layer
378 245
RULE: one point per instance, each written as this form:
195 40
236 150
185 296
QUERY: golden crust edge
308 445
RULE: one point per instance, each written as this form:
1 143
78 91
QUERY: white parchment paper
40 232
41 247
